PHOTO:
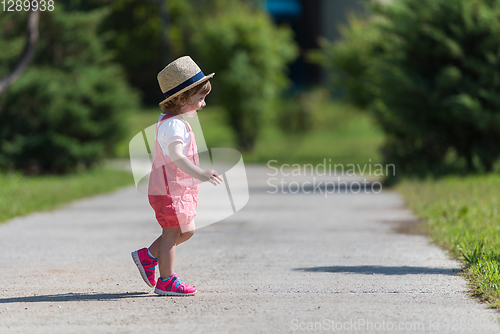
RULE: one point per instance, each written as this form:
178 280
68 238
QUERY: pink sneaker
146 265
173 286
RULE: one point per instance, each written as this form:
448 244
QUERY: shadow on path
369 270
69 297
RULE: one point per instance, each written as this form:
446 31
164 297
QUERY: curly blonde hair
174 105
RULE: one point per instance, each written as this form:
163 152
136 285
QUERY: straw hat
179 76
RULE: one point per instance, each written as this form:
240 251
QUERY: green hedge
429 72
67 110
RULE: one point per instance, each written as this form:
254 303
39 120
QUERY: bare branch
27 55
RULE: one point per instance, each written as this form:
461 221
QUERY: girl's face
197 103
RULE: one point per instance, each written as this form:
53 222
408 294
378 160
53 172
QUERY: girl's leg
188 233
185 236
153 249
182 237
166 251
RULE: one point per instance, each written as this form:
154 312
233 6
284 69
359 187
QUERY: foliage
307 111
136 30
462 215
66 111
297 114
428 70
249 56
349 60
252 48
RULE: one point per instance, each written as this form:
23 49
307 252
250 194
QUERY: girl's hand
212 176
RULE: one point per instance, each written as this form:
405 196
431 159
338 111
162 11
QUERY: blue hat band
185 84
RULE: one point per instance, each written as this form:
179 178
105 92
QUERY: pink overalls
173 194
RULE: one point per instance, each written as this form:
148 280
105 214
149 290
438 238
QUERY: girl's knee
171 232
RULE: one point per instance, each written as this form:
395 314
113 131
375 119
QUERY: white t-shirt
173 129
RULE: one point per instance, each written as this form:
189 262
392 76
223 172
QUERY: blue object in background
310 19
290 8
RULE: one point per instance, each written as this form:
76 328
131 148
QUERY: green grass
20 195
342 133
463 215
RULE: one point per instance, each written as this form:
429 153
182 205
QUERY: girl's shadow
68 297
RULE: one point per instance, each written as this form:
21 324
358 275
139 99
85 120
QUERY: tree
67 111
429 72
249 55
27 54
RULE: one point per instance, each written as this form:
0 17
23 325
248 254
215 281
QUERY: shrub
249 56
428 70
304 112
67 110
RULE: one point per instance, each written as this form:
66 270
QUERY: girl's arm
184 164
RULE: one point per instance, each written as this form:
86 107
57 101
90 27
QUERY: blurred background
91 84
414 83
404 82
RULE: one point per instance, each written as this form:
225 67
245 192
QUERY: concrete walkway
284 263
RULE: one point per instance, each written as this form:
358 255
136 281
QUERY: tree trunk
27 55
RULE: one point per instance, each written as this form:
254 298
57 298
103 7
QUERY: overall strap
167 116
185 122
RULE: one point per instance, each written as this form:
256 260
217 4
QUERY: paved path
285 263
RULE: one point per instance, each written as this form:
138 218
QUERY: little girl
173 183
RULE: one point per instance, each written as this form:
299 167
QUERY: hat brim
205 78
